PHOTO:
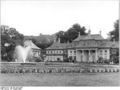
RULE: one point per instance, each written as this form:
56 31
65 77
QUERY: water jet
22 53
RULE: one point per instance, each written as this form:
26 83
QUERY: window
74 51
106 51
57 51
53 52
60 52
100 52
58 59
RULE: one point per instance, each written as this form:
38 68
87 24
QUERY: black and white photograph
66 43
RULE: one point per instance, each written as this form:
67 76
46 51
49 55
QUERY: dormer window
74 51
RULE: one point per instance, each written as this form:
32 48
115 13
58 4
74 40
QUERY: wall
54 58
104 53
54 55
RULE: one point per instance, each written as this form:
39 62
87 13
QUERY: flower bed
56 68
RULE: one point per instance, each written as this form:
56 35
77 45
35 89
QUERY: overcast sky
32 17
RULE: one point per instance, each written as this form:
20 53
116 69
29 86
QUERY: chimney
89 32
100 32
54 40
59 40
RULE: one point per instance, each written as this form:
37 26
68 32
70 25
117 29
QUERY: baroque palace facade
85 48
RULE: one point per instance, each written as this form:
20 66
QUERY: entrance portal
86 55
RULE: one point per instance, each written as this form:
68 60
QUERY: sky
32 17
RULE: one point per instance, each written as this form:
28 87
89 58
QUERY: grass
60 79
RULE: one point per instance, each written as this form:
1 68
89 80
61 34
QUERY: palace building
85 48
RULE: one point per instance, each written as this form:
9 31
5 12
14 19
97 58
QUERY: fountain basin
33 64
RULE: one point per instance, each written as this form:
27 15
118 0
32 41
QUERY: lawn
60 79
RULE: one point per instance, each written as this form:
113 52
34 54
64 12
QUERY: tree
60 35
71 34
41 41
114 34
9 39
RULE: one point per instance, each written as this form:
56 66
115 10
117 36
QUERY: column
108 54
89 56
83 56
96 55
77 55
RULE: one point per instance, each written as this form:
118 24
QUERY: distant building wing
31 44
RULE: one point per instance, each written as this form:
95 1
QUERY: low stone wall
56 68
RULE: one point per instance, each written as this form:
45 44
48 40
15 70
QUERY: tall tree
10 37
114 34
71 34
60 35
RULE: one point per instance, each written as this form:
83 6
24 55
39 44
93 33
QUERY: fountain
22 53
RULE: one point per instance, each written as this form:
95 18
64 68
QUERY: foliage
114 34
10 37
43 43
66 60
37 59
71 34
103 61
100 60
69 59
114 59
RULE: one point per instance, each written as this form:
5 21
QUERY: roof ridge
29 42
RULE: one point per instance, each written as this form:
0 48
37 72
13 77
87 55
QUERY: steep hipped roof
88 37
58 45
31 44
94 44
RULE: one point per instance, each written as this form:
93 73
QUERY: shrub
100 60
66 60
106 61
114 59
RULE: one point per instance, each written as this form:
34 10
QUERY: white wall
71 52
54 58
53 55
104 53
